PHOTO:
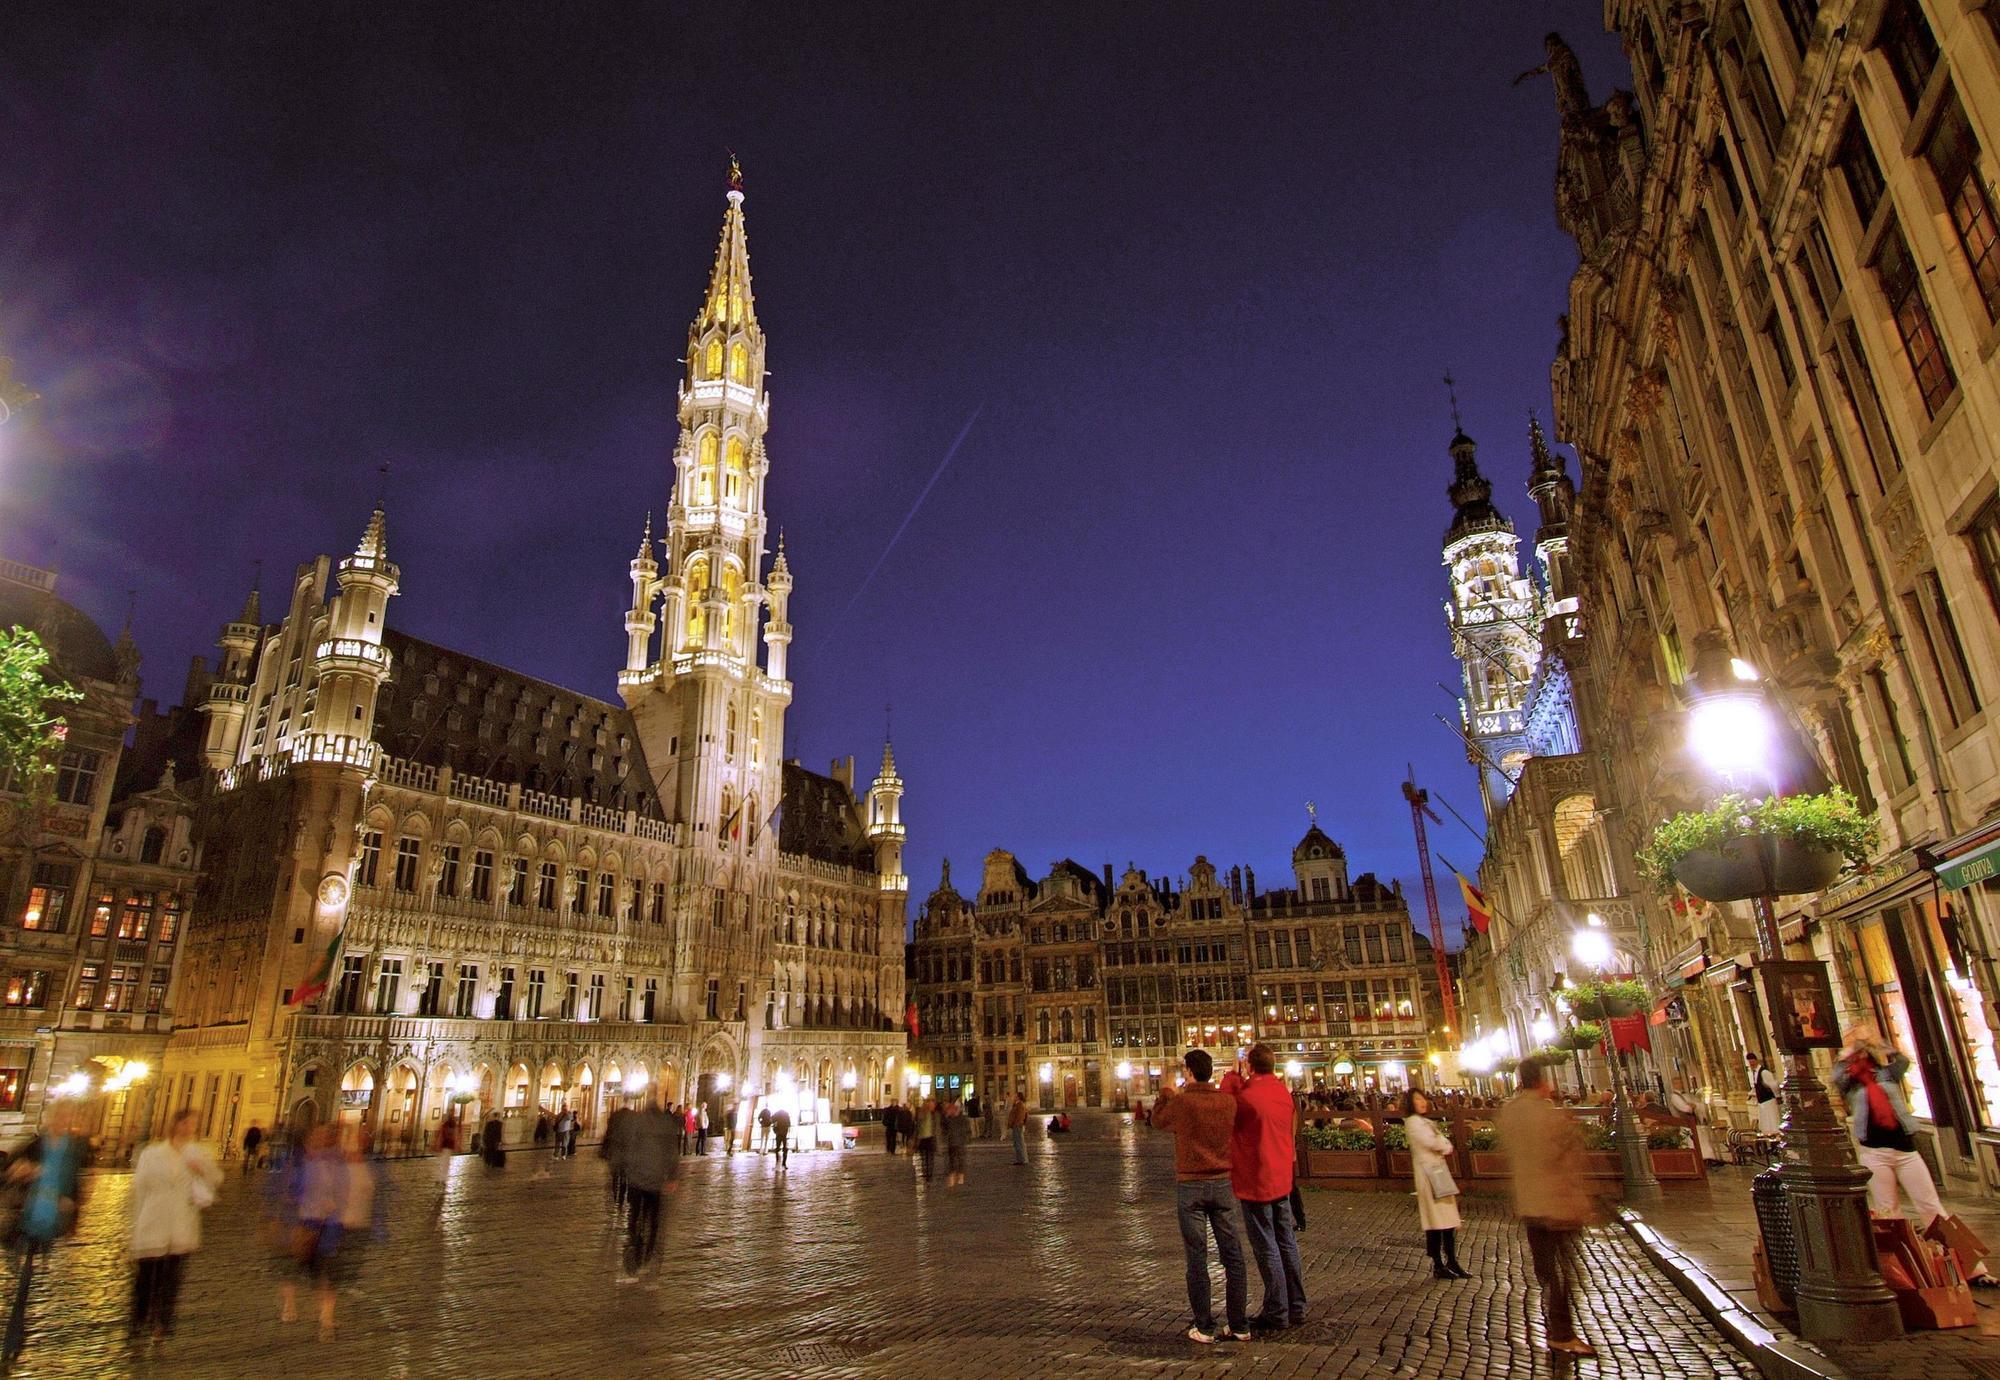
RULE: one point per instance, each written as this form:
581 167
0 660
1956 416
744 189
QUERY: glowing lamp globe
1732 733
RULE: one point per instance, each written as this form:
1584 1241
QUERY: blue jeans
1020 1138
1276 1247
1206 1204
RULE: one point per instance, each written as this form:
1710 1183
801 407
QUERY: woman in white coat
173 1180
1437 1193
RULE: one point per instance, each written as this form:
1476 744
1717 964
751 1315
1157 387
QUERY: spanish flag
1476 909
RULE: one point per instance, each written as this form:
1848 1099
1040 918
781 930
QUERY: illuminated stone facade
1080 991
534 897
97 877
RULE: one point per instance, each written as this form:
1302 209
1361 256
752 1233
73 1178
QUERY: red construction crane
1420 806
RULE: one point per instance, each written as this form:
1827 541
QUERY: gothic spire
729 300
375 541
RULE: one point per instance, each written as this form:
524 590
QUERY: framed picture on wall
1799 997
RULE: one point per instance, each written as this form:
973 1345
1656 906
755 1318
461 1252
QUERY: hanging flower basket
1597 1001
1583 1037
1739 849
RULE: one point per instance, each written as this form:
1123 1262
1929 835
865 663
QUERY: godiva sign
1970 868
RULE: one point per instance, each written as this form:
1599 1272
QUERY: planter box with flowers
1672 1155
1483 1158
1335 1153
1739 848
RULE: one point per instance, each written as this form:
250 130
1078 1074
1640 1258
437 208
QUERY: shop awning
1861 896
1973 866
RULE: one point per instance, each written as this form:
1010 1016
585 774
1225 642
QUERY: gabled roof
821 820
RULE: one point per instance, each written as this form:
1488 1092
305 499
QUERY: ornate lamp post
1841 1295
1591 946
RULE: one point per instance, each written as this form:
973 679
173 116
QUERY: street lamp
1294 1070
1841 1294
1591 946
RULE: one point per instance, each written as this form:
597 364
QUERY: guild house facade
1084 990
435 887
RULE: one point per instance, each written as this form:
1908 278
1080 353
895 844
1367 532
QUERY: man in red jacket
1261 1170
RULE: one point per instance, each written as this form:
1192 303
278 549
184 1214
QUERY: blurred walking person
1545 1150
313 1195
957 1136
781 1136
613 1153
1203 1121
253 1141
1017 1128
1437 1193
892 1122
490 1136
1765 1089
1262 1167
173 1182
648 1160
927 1129
45 1184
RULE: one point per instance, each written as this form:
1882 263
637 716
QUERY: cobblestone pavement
847 1266
1715 1225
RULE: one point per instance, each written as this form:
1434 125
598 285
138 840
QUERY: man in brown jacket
1545 1149
1202 1119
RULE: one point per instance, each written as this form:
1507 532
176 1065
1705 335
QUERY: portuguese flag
322 973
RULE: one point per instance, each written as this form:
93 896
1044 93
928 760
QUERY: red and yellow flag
1476 909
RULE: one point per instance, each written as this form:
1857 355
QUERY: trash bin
1774 1224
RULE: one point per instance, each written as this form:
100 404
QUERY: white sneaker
1230 1334
1195 1334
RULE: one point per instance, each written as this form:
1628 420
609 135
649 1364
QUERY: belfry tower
1494 626
710 718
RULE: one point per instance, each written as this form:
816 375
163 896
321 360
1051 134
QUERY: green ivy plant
1553 1054
1483 1139
1395 1138
1830 821
1666 1138
1597 1136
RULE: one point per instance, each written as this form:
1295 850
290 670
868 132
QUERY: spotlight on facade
849 1079
1542 1028
635 1081
1294 1069
1048 1073
1742 669
76 1085
1124 1069
1393 1069
722 1082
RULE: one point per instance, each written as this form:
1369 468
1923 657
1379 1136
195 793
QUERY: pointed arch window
739 363
729 735
697 590
714 360
727 817
732 598
735 470
704 475
756 735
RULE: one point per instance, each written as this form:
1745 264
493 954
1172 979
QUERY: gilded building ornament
1644 393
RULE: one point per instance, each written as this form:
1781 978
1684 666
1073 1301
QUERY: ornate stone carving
1644 393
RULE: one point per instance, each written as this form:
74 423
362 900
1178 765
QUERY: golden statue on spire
735 172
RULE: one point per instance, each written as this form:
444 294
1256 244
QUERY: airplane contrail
936 475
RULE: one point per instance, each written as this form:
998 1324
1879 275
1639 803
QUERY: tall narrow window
407 851
388 985
1895 744
468 992
1906 40
1953 153
545 887
347 995
76 776
1946 654
537 980
371 857
137 918
1856 161
503 996
448 858
431 1000
481 888
1902 286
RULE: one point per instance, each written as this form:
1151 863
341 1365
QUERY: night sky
1199 270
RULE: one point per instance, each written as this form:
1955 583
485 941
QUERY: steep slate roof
540 735
821 820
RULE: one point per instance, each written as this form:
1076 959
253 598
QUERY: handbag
1438 1179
